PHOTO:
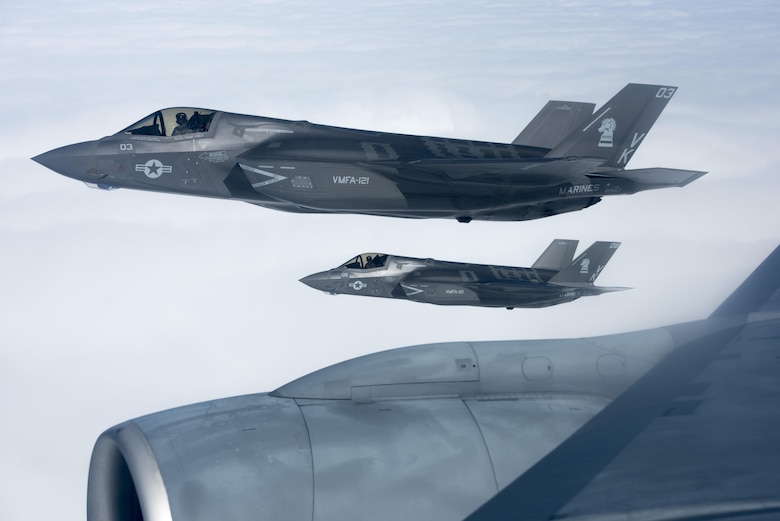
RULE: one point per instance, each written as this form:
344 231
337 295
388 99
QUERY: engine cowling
424 432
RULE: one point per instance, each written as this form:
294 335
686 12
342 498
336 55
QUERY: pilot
196 123
181 125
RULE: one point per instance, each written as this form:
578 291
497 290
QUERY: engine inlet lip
124 481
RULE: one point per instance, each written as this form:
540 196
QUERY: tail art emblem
607 130
584 265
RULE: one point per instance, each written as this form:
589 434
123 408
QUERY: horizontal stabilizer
611 289
600 289
656 177
554 122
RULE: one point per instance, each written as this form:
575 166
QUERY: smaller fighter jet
553 279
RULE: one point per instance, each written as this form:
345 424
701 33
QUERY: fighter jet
673 423
566 159
553 279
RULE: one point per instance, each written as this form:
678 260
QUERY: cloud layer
119 304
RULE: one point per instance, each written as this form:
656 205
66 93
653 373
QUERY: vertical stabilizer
557 256
617 129
588 265
554 122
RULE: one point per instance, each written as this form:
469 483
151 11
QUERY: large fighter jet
566 159
553 279
674 423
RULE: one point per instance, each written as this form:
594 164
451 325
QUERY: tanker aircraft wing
696 438
673 423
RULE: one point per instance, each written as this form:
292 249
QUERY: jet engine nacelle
425 432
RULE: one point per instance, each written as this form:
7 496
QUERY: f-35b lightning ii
566 159
553 279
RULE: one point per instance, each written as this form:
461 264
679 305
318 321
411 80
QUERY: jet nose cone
320 281
77 161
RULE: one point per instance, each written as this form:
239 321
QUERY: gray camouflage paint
297 166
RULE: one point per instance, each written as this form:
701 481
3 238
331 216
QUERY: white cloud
118 304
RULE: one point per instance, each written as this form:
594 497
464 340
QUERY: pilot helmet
181 118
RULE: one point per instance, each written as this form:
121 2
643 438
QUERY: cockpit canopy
177 121
366 261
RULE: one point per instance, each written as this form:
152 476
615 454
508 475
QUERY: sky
118 304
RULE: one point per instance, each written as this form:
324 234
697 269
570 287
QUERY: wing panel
429 453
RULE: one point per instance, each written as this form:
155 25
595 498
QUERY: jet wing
698 437
529 173
536 291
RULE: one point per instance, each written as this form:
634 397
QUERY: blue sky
118 304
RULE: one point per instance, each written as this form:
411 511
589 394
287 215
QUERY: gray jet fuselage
454 283
298 166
